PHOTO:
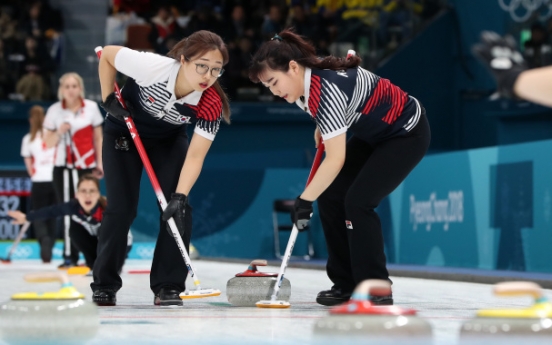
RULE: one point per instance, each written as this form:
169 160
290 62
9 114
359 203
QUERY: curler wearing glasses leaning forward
163 95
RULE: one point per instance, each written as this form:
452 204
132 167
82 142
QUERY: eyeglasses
88 191
215 71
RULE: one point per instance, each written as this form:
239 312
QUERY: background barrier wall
485 208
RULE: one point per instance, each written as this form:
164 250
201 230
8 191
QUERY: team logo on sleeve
150 101
349 225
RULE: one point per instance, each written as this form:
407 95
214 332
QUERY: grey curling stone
252 286
61 317
532 323
360 321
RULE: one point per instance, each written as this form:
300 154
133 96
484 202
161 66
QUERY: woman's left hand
18 217
176 209
98 172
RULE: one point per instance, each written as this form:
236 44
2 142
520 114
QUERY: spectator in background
237 27
7 28
358 20
163 28
237 74
39 161
538 51
203 19
35 24
325 19
5 73
35 54
399 14
31 85
45 25
327 16
273 22
141 8
300 21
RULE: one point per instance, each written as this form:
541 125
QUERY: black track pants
84 242
370 173
123 170
43 195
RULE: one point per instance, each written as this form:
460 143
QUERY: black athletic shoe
168 297
332 297
105 297
382 300
66 265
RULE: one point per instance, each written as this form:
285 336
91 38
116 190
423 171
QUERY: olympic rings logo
145 252
57 252
22 252
521 10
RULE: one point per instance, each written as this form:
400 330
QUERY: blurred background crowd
32 44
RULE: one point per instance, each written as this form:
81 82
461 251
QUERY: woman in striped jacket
389 135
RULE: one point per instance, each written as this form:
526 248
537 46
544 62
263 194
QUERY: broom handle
20 235
295 231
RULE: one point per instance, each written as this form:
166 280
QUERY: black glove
501 56
115 109
301 213
177 210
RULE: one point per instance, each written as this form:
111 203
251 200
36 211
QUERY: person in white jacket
39 162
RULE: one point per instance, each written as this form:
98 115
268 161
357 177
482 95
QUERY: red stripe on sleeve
210 105
314 95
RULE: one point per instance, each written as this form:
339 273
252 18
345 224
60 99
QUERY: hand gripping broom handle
295 231
154 182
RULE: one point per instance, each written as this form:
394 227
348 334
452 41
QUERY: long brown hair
36 118
90 177
197 44
286 46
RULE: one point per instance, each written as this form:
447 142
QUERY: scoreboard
15 190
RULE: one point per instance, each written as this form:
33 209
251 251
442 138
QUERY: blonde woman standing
39 162
74 127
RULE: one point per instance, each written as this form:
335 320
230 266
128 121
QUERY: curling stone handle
518 289
46 277
374 287
257 262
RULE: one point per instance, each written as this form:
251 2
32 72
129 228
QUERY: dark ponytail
286 46
197 44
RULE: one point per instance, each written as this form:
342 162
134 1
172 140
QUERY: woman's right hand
317 137
64 128
18 217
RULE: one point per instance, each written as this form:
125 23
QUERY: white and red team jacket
42 157
75 149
